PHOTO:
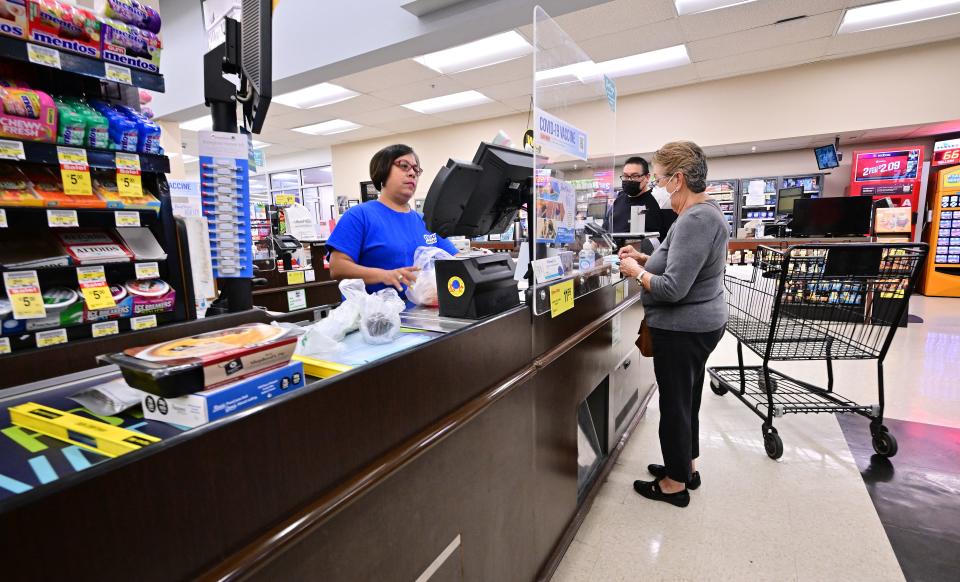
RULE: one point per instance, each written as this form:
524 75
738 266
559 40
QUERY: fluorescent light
695 6
667 58
188 159
259 145
198 124
895 13
316 96
328 127
448 102
584 71
481 53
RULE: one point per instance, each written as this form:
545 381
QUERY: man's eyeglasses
631 177
406 166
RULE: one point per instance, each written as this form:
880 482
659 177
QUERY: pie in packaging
200 362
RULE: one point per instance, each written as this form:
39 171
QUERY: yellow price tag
147 270
117 73
76 182
3 218
62 218
23 291
296 278
129 185
5 345
285 199
93 286
561 298
12 150
105 328
143 322
126 218
42 55
72 156
53 337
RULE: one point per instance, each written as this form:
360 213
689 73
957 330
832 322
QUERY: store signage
23 291
946 153
895 165
554 133
53 337
42 55
75 171
93 286
117 73
143 322
296 278
129 182
147 270
12 150
285 199
611 88
561 298
105 328
127 218
62 219
297 299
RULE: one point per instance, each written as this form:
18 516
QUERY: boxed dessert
191 364
130 46
202 407
64 27
13 18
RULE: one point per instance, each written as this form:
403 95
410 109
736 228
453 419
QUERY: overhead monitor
840 216
827 157
256 60
475 199
786 199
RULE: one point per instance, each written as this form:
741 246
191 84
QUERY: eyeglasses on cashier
406 166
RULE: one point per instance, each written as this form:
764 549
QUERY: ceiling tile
520 88
634 41
783 56
379 78
485 111
657 80
343 110
426 89
414 124
360 134
752 15
611 17
894 36
520 68
393 113
765 37
521 104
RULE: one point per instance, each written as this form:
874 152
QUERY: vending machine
893 174
941 274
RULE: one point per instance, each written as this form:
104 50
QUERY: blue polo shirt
374 235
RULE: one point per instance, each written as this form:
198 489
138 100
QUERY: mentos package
13 18
128 45
27 114
64 27
131 12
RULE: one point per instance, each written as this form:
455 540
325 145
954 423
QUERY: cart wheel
773 445
718 388
884 443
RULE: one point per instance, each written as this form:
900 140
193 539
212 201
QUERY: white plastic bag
326 334
424 289
380 321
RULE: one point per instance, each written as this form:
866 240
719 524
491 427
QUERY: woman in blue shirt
375 241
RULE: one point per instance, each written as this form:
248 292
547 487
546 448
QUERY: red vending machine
889 173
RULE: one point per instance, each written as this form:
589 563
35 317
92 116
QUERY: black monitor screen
597 210
842 216
827 157
787 197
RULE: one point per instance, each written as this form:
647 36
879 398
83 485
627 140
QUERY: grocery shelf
16 49
27 340
36 217
46 153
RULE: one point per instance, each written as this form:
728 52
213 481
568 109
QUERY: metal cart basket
816 302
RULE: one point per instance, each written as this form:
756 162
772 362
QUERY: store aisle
805 517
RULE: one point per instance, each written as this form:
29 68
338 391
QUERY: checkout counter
472 454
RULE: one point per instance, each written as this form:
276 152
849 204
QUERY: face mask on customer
631 188
662 196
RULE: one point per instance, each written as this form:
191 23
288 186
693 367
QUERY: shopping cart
816 302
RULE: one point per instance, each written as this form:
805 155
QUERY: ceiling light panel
316 96
474 55
657 60
198 124
449 102
331 127
885 14
259 145
696 6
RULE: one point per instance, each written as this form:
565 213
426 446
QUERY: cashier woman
375 241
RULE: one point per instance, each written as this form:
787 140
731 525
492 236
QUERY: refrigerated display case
725 193
812 184
941 274
750 210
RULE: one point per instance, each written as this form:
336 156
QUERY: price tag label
93 286
285 199
23 290
62 218
129 182
296 300
3 218
147 270
43 55
5 345
296 277
12 150
117 73
143 322
105 328
45 339
127 218
75 171
561 298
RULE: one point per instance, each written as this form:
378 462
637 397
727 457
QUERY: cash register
473 199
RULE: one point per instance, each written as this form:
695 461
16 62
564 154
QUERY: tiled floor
807 516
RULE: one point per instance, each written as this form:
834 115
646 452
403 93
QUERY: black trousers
679 360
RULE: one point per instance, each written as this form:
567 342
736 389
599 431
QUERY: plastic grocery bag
424 289
380 320
326 334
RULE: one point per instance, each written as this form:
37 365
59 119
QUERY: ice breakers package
186 365
203 407
128 45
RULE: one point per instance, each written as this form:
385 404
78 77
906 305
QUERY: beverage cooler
889 173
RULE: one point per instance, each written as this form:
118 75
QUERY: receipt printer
476 287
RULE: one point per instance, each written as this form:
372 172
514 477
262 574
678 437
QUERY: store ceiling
721 43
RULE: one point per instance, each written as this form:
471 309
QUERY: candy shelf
46 153
36 217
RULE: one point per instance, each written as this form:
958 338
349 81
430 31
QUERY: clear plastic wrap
424 289
380 322
326 334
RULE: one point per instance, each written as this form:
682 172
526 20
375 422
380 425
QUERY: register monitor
786 198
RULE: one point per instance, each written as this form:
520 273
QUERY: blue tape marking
43 469
13 485
74 455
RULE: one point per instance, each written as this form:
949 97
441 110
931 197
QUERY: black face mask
631 188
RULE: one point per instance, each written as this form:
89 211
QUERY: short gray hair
686 158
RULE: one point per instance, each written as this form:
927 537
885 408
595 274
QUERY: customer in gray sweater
686 312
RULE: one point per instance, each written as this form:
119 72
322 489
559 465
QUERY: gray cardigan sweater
686 292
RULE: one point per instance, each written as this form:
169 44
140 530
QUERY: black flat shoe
651 490
659 471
